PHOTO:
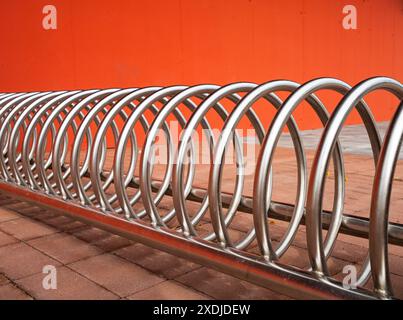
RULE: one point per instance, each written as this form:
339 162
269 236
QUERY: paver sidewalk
94 264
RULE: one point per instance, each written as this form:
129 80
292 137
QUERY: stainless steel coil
84 147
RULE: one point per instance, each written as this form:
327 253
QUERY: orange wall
121 43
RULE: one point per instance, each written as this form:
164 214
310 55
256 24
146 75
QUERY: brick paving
95 264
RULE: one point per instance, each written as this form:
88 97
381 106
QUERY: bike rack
56 147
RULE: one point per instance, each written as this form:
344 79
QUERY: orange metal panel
104 43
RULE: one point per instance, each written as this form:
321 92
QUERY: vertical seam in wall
73 43
181 39
303 40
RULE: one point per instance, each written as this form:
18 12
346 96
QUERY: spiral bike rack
55 148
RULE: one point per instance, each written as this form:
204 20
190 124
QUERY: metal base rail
55 146
350 225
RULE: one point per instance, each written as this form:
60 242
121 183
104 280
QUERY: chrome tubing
83 148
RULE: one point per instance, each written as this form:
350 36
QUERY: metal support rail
56 147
